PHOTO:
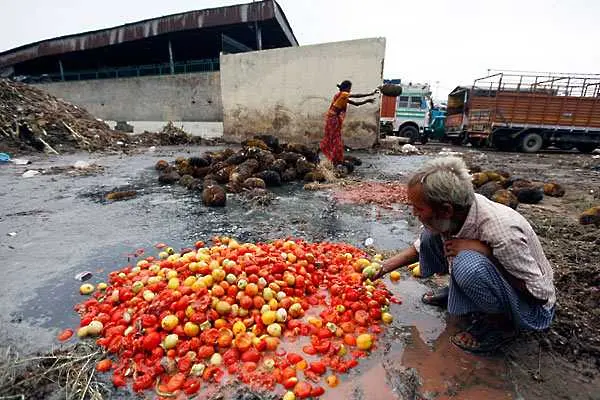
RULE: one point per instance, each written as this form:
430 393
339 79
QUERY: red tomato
294 358
231 356
361 317
251 355
184 364
142 382
104 365
318 367
303 390
151 341
176 382
65 335
375 313
290 383
206 351
191 386
309 349
118 380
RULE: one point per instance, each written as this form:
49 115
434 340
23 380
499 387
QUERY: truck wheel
477 143
586 148
531 142
410 132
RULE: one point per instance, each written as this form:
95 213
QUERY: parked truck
408 114
526 112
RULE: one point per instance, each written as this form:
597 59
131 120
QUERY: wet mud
64 225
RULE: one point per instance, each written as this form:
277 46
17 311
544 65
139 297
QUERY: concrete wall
286 92
181 97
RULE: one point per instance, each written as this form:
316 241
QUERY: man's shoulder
494 213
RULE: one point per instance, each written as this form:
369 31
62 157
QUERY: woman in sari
332 145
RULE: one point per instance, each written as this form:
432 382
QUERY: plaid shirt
514 244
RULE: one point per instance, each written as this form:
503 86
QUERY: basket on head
391 90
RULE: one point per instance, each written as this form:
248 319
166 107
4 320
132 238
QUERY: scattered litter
83 276
30 173
446 151
20 161
11 234
409 149
596 156
596 151
152 149
81 165
4 158
120 143
115 196
369 242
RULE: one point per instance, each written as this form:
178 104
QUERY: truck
437 123
408 114
527 112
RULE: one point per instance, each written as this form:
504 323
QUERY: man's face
436 220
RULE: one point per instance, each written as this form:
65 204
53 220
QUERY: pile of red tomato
182 320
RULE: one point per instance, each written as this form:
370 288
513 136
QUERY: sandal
437 297
480 338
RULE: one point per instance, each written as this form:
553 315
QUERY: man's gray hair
445 180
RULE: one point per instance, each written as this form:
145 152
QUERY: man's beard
441 225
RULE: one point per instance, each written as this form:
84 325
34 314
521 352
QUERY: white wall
286 92
181 97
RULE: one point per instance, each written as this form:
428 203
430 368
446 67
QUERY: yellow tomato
169 322
86 288
364 341
387 317
191 329
238 327
173 283
333 381
189 281
269 317
395 276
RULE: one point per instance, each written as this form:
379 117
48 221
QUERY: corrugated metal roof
242 13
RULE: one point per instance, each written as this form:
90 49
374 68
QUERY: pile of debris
31 119
261 163
170 135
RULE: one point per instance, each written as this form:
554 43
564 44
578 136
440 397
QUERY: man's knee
469 266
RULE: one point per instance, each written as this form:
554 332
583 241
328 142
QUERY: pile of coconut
262 162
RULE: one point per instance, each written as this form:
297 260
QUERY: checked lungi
477 286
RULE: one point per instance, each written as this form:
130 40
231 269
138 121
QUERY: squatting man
499 276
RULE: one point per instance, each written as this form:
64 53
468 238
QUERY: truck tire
531 142
586 147
410 132
477 143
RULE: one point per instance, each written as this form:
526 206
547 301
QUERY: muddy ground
62 225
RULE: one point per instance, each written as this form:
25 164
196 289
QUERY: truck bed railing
573 85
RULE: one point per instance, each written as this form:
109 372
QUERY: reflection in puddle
447 371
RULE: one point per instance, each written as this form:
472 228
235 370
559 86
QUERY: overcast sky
445 43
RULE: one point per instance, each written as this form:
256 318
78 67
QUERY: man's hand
454 246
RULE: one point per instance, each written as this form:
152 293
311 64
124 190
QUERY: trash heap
261 163
503 188
229 312
31 119
170 135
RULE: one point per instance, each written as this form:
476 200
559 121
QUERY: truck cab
408 114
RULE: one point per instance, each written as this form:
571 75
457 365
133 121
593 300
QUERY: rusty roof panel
242 13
